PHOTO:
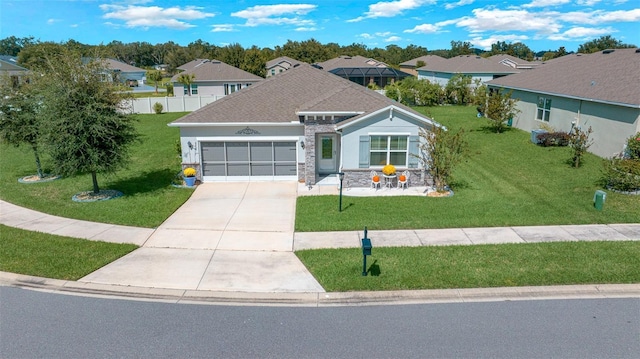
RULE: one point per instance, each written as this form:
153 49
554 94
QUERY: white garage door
249 160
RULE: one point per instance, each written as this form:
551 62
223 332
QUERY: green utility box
598 199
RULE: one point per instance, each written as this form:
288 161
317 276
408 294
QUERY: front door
327 153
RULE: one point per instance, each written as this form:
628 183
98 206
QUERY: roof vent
608 51
638 51
296 65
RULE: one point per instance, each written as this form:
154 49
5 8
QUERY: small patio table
388 180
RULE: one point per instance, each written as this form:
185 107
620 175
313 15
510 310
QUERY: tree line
253 59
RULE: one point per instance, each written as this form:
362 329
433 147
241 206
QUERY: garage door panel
249 159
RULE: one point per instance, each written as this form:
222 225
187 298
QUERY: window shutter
414 150
364 152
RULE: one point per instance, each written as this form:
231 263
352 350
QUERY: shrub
579 142
622 174
548 139
157 108
633 147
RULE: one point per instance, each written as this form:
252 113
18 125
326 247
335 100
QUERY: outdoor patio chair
403 180
375 180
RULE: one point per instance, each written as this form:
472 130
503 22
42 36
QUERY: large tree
20 117
87 129
602 43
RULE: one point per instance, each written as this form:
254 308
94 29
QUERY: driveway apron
227 237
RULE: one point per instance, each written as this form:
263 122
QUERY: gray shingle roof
214 70
124 67
427 59
191 64
286 62
350 61
602 76
468 64
278 99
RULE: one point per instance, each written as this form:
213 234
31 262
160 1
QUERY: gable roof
607 76
283 61
514 62
214 70
9 64
191 64
468 64
121 66
280 99
349 61
427 59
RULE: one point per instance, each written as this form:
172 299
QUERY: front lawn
479 266
50 256
148 197
505 181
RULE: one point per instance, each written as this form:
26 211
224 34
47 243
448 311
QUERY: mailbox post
366 251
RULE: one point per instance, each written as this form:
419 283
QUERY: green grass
46 255
505 181
148 198
481 266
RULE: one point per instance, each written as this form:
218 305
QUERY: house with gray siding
479 68
301 125
279 65
213 78
599 90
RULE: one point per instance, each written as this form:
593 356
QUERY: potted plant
189 176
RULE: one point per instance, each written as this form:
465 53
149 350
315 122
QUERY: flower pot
190 181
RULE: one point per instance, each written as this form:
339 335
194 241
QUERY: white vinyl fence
171 104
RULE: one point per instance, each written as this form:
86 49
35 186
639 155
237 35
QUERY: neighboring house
599 90
161 67
280 64
214 78
479 68
514 62
9 67
191 64
411 65
301 125
125 73
362 70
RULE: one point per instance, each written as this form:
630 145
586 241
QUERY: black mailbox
366 246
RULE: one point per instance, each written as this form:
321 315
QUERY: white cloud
222 28
305 29
383 34
508 20
587 2
424 29
393 39
546 3
52 21
154 16
485 43
600 16
391 8
273 14
454 5
582 33
366 36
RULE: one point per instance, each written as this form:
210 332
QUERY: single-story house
599 90
411 65
126 73
479 68
362 70
301 125
214 78
280 64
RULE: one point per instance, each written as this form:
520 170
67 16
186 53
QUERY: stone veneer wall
310 130
362 178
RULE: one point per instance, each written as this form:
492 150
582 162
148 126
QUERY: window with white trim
544 109
231 88
194 89
391 149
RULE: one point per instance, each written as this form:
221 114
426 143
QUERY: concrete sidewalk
239 238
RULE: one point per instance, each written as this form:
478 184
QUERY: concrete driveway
226 237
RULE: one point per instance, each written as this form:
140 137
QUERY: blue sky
540 24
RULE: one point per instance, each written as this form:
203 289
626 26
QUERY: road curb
320 299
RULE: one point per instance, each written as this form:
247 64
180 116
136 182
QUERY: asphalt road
45 325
